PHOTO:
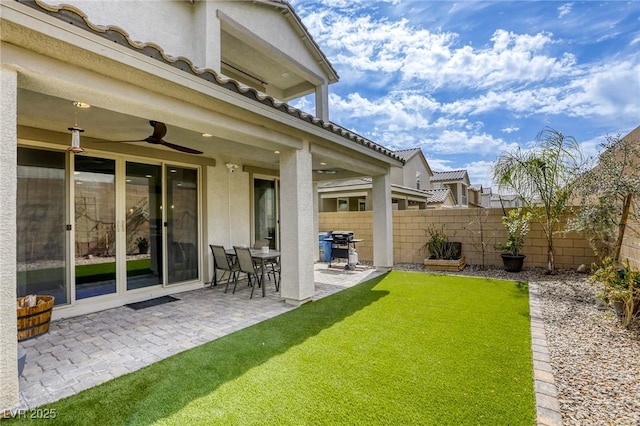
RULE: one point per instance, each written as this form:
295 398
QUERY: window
362 205
343 204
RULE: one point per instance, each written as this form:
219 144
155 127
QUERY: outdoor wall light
232 167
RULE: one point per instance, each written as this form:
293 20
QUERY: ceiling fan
159 132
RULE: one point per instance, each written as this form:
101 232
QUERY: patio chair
248 266
221 261
275 271
273 266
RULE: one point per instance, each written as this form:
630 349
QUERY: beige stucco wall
8 318
266 22
172 24
180 27
409 235
413 166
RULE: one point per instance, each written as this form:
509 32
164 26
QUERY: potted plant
517 224
444 255
143 245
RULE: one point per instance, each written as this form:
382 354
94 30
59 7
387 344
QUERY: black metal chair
272 265
249 267
221 261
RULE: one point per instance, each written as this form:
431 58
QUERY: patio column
8 183
382 222
297 225
322 101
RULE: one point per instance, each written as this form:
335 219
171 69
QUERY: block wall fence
631 244
471 227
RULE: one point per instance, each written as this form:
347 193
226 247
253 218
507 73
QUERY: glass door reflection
95 230
41 219
182 224
144 225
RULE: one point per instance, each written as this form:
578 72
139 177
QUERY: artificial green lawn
406 348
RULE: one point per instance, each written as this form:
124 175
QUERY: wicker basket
34 321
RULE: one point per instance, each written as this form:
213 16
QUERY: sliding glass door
143 186
182 224
41 224
95 226
106 224
265 211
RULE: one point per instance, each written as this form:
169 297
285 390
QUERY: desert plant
517 224
621 284
478 230
608 194
438 245
543 178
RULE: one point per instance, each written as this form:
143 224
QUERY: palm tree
543 178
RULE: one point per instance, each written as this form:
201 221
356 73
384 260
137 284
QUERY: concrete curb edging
547 405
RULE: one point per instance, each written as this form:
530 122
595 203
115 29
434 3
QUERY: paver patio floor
82 352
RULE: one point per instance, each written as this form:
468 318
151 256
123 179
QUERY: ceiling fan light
75 140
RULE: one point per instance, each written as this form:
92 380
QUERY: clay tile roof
407 154
73 16
437 195
449 175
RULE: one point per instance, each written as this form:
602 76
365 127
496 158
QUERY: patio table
261 258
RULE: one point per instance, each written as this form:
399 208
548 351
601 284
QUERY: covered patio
81 352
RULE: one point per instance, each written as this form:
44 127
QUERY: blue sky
467 80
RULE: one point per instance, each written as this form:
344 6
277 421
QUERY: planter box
445 265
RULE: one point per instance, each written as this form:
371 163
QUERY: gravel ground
596 362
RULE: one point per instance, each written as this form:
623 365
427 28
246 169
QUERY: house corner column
322 101
297 225
9 390
382 222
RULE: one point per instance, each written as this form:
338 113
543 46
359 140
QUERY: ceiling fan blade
181 148
105 140
159 130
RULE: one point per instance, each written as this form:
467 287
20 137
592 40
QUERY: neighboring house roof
74 17
438 195
448 175
505 197
476 187
407 154
486 190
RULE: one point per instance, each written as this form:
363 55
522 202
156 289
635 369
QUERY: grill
342 242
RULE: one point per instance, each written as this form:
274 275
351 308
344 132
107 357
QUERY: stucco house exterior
411 188
457 181
163 121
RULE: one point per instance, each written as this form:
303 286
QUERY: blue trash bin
325 247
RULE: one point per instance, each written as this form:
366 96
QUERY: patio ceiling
55 114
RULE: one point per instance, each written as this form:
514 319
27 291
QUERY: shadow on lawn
163 388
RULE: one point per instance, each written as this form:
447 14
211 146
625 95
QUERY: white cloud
458 141
384 46
565 9
510 129
480 172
